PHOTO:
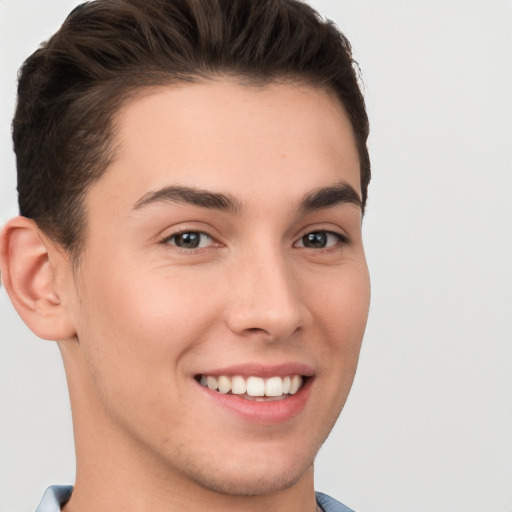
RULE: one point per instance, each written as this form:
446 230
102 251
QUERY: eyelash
168 240
340 240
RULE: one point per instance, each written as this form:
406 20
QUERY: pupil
315 240
188 240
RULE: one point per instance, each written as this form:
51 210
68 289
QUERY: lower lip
264 412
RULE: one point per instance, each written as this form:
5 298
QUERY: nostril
257 329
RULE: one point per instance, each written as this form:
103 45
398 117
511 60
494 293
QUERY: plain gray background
428 427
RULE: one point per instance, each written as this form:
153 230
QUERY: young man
192 176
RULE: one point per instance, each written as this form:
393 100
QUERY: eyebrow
327 197
190 195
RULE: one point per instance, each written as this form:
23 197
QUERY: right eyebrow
190 195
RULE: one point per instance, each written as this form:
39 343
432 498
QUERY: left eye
189 240
319 240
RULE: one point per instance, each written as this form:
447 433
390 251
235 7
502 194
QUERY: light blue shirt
58 495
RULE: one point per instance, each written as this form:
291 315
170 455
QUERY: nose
266 299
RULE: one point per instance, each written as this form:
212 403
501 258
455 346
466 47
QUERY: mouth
254 388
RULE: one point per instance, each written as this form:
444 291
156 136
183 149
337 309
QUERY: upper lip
262 370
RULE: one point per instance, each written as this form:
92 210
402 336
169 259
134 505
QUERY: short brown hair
71 88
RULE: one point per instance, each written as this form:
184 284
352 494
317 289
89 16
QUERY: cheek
342 312
133 325
136 336
343 305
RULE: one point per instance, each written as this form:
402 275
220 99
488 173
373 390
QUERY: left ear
30 264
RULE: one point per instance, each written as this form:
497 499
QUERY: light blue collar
55 497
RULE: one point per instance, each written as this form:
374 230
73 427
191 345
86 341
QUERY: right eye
189 240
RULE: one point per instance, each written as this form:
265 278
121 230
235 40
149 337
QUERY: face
223 290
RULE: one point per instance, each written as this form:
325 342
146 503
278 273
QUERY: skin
146 316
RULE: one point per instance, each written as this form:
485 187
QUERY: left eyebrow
327 197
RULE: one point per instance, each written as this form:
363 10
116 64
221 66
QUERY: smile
254 388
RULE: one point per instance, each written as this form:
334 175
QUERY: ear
30 264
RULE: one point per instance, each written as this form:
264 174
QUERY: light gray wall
428 427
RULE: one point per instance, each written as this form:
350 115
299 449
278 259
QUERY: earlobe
29 276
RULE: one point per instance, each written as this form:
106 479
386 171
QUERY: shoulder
329 504
54 498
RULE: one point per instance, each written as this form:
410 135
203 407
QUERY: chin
249 481
250 475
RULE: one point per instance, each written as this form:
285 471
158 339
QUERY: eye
189 240
320 240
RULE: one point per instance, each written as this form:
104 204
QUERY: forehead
227 136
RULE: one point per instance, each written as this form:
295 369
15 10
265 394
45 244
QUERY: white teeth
224 384
253 386
286 385
274 386
212 382
295 384
238 386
